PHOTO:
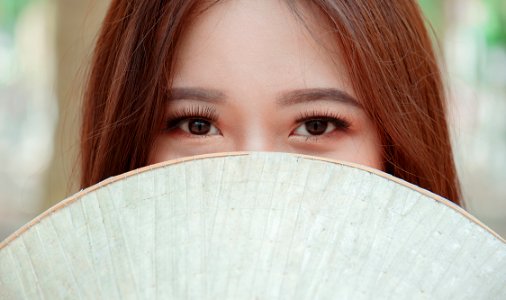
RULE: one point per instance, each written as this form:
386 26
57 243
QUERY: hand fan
254 226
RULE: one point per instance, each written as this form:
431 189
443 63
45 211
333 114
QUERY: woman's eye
315 127
197 127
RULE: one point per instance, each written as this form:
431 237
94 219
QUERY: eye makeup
339 121
174 118
319 121
330 121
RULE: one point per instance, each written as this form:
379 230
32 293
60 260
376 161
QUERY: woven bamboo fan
254 226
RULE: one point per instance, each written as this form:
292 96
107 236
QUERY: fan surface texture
254 226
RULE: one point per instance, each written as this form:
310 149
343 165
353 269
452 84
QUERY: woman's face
249 76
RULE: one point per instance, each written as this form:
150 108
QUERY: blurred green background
45 49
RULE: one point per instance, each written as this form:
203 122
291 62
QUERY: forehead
258 46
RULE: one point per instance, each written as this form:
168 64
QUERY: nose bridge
256 139
256 136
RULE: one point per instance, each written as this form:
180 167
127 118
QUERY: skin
259 69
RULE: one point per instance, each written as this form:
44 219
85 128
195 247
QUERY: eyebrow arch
307 95
288 98
200 94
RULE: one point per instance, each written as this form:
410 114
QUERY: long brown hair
385 47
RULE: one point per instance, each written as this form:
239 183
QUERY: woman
349 80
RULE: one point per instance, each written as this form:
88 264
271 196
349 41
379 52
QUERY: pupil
316 127
199 127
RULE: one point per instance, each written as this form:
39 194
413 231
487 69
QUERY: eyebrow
200 94
285 99
308 95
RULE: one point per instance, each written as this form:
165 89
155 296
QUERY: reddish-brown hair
385 47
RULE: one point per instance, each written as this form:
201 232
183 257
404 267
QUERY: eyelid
207 113
330 116
210 114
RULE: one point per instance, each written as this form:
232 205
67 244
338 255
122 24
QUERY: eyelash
338 120
209 114
192 112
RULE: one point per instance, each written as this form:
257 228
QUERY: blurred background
45 50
